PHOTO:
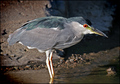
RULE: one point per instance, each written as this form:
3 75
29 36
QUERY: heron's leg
51 65
48 62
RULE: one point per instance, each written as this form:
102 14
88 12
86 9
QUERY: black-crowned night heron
50 33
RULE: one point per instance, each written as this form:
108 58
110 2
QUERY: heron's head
92 30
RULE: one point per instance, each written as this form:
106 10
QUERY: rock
111 71
71 60
16 68
84 54
20 68
80 58
13 55
91 53
76 58
67 61
27 66
61 61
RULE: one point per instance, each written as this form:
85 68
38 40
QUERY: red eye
85 25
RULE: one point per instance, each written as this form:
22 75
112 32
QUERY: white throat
87 32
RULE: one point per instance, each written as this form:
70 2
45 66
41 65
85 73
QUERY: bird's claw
51 80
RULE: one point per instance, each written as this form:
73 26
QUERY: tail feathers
12 39
15 37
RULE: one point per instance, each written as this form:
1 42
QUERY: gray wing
42 39
40 33
46 22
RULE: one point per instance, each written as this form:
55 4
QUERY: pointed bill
96 31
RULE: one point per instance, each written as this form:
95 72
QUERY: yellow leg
49 64
51 80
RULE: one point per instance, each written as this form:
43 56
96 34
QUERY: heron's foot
51 80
